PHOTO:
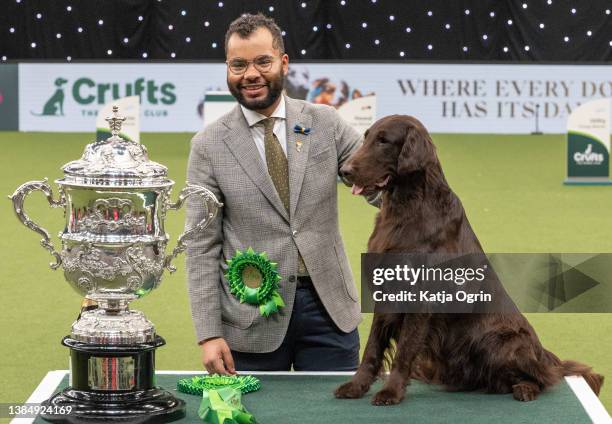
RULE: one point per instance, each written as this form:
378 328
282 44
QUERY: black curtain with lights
351 30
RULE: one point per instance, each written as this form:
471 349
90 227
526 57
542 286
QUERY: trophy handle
18 199
211 205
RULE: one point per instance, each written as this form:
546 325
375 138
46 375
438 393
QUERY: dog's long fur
493 352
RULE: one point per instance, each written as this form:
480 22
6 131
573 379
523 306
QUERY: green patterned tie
276 160
278 168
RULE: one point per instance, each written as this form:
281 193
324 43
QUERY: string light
447 23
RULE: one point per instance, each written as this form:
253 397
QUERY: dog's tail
594 380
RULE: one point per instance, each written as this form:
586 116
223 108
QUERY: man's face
256 89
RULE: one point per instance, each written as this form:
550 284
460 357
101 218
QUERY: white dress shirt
257 131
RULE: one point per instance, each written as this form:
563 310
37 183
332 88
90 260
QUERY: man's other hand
217 357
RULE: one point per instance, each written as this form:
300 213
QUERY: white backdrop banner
447 98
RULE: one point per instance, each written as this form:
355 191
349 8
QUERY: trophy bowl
113 251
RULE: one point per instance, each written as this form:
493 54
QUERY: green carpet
304 399
510 186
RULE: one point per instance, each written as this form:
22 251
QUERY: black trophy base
113 383
150 406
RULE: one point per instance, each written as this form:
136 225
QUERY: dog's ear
418 151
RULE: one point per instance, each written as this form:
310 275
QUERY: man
273 161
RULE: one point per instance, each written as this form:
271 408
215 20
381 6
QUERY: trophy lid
115 162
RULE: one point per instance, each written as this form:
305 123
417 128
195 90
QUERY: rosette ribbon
266 294
224 406
198 385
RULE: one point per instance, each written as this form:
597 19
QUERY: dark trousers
312 343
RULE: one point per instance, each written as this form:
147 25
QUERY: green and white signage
588 144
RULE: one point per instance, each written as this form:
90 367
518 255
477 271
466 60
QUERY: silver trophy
114 251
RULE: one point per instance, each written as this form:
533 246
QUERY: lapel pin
300 129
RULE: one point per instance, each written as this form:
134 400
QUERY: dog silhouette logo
55 105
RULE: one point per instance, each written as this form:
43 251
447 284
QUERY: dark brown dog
495 353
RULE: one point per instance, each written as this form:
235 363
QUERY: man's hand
217 357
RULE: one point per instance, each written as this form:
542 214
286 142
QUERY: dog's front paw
525 391
387 397
351 390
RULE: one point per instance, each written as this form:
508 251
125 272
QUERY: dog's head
60 81
394 147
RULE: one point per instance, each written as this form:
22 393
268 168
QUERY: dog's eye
382 140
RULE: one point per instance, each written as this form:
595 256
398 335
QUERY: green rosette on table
224 406
253 279
198 385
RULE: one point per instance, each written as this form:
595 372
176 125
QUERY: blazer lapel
297 158
242 146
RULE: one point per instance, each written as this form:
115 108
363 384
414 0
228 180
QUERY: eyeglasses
261 63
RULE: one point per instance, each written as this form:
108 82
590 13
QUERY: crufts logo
588 157
55 105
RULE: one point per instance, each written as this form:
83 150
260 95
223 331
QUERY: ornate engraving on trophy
90 261
110 216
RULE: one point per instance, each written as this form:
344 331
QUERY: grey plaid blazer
224 159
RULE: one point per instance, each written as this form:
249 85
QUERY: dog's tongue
356 189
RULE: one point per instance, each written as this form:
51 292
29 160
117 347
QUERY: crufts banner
447 98
588 144
9 110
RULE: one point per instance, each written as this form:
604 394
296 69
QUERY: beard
275 84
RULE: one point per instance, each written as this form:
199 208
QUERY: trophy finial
115 121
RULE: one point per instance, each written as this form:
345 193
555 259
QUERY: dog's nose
346 172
